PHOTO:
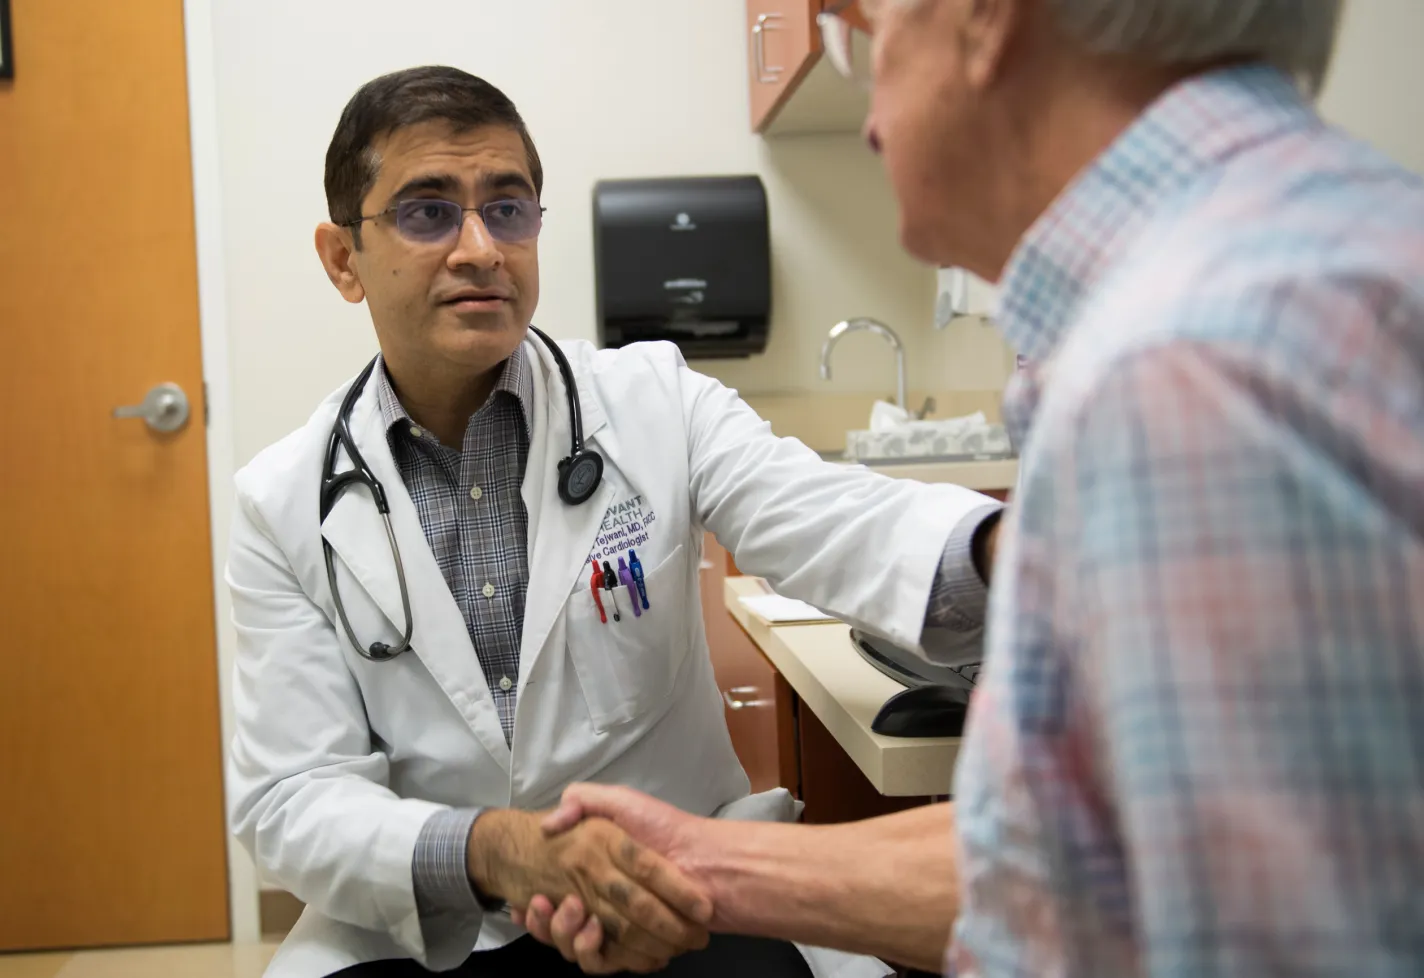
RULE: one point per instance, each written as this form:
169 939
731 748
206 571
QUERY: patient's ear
988 28
336 246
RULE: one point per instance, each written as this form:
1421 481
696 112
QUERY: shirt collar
1090 227
516 377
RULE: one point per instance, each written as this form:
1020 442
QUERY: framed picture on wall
7 60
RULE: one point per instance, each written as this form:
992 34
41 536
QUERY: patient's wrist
742 866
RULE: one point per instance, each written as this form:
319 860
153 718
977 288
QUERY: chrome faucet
879 329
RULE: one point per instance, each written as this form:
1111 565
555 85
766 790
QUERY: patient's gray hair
1297 36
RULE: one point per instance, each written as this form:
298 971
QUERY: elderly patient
1198 748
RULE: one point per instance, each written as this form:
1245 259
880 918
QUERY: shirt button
489 590
414 432
476 492
505 684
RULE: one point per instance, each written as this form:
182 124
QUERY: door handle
733 703
165 408
766 75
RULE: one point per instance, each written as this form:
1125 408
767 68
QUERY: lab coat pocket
627 667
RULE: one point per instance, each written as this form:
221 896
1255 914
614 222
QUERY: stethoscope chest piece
579 476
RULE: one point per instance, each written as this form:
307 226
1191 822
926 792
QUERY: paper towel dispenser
685 259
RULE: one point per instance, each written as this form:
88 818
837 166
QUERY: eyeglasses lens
427 221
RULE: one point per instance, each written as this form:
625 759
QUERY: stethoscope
579 476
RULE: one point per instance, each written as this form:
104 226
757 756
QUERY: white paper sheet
777 609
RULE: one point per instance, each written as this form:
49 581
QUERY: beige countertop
845 692
980 476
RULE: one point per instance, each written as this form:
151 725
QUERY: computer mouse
923 711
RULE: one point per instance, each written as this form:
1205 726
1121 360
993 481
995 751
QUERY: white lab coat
338 761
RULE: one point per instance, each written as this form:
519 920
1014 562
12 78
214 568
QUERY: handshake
610 878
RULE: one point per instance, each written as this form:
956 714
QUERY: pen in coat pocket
636 566
626 576
595 584
610 583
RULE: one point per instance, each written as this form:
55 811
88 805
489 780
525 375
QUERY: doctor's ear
337 249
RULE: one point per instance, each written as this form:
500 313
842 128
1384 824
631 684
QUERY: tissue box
968 437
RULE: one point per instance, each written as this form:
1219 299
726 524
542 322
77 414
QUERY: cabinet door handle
733 703
765 74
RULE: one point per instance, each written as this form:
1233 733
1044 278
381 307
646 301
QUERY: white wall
614 89
1376 85
618 88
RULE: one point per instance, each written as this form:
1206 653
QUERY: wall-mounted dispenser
958 293
685 259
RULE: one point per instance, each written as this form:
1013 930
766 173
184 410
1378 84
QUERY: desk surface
845 692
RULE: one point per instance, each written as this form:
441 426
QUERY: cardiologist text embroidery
625 527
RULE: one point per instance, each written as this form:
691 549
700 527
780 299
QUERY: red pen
596 583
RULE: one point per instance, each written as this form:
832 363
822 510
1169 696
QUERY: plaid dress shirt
473 515
470 506
1197 748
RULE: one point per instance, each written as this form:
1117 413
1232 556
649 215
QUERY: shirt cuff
959 598
439 869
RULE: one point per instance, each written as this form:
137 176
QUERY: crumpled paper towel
884 416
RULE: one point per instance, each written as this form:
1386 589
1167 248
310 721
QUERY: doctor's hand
664 828
647 910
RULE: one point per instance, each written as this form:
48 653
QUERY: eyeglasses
846 52
427 220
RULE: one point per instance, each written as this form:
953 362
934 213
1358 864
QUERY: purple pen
626 576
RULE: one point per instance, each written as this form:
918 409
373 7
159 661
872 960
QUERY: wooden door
746 679
111 807
783 44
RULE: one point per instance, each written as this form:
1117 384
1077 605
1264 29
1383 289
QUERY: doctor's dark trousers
726 956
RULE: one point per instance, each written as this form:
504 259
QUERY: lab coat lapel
355 531
560 535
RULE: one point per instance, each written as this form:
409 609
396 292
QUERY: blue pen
636 566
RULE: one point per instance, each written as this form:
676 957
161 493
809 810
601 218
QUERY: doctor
429 647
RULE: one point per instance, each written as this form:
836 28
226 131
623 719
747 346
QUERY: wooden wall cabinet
782 46
792 87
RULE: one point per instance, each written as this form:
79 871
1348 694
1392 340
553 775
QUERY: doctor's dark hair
408 98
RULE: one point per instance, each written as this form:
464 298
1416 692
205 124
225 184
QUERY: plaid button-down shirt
1198 745
469 504
470 507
